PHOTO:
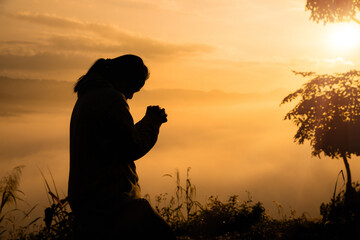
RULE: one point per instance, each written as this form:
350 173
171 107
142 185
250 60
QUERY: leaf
54 197
32 222
28 213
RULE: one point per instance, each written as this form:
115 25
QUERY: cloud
71 46
43 61
51 20
322 65
339 60
111 38
124 43
146 5
18 47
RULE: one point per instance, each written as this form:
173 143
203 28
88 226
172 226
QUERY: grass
10 215
190 219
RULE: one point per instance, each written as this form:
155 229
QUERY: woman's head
126 73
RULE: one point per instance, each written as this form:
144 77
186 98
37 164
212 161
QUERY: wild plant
189 218
10 195
183 206
58 217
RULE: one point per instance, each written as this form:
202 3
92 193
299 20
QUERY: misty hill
18 96
214 97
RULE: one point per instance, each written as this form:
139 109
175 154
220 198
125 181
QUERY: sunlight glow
345 37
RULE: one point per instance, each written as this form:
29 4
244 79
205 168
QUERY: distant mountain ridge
198 97
31 94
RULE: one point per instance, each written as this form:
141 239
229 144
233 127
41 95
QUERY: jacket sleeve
127 140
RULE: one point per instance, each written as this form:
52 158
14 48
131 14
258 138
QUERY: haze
219 69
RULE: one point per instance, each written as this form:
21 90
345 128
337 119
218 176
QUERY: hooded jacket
104 143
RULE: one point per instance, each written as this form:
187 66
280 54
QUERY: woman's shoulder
102 100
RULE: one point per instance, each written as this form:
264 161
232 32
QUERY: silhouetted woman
104 193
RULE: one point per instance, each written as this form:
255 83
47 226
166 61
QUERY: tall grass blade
32 222
52 178
26 214
46 190
337 179
47 187
54 197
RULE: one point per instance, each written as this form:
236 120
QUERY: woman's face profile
130 90
130 94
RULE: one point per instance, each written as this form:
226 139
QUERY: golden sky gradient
233 45
221 69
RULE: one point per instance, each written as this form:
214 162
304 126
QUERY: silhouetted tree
333 10
328 115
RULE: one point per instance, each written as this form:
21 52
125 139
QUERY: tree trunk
349 186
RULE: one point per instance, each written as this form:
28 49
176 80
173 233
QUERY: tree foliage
328 113
333 10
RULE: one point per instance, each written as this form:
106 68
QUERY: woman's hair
127 70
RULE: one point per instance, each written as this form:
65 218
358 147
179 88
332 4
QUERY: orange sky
235 46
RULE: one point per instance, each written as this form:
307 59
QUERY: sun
344 36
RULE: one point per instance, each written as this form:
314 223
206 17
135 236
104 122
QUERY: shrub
341 216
